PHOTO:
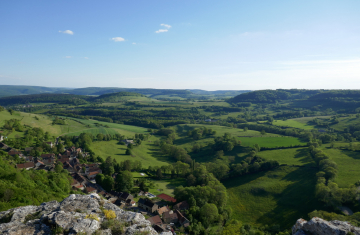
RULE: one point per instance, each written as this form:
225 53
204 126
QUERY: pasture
280 196
293 156
147 152
294 123
270 142
348 163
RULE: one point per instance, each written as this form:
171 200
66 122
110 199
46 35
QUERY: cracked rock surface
75 214
318 226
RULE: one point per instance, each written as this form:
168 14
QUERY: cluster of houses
164 218
83 175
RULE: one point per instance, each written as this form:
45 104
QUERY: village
163 211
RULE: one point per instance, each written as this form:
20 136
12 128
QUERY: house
163 209
48 159
130 202
26 165
126 196
3 146
155 220
181 206
128 141
67 166
50 144
90 190
81 179
39 164
1 137
93 174
170 217
182 220
147 205
12 152
79 187
166 197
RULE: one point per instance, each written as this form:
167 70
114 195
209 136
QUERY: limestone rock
318 226
80 203
75 214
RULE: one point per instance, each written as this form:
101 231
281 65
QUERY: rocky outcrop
318 226
75 214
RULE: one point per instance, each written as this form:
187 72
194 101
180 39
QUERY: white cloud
166 26
68 57
118 39
67 32
134 43
86 57
161 31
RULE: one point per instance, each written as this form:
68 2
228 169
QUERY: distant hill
272 96
9 90
43 98
114 97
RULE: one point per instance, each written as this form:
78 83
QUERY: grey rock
166 233
80 203
71 215
318 226
21 212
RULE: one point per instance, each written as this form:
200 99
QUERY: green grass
293 123
166 186
348 163
345 122
293 156
280 196
269 142
147 152
95 131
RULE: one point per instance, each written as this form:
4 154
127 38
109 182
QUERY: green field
293 123
166 186
147 153
348 163
279 196
269 142
293 156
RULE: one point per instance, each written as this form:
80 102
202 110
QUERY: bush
109 214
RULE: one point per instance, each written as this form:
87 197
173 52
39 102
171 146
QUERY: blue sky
210 45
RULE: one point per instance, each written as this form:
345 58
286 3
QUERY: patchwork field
147 153
294 123
269 142
293 156
348 166
280 196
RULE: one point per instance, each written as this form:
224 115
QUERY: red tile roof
166 197
25 165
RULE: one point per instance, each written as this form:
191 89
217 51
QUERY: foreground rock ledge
72 216
318 226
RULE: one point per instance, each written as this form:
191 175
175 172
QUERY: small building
130 202
147 205
170 217
12 153
50 144
155 220
39 164
181 206
126 196
81 179
163 209
166 197
182 220
93 174
26 165
1 137
128 142
90 190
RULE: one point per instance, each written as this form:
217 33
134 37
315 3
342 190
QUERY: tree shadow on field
354 155
295 201
304 154
182 130
241 180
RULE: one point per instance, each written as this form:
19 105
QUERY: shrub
92 216
109 214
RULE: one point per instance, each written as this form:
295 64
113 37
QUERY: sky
181 44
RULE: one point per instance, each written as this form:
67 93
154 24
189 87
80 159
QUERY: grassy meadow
293 156
280 196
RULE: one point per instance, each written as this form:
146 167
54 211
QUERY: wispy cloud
68 57
161 31
86 58
118 39
166 26
67 32
134 43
